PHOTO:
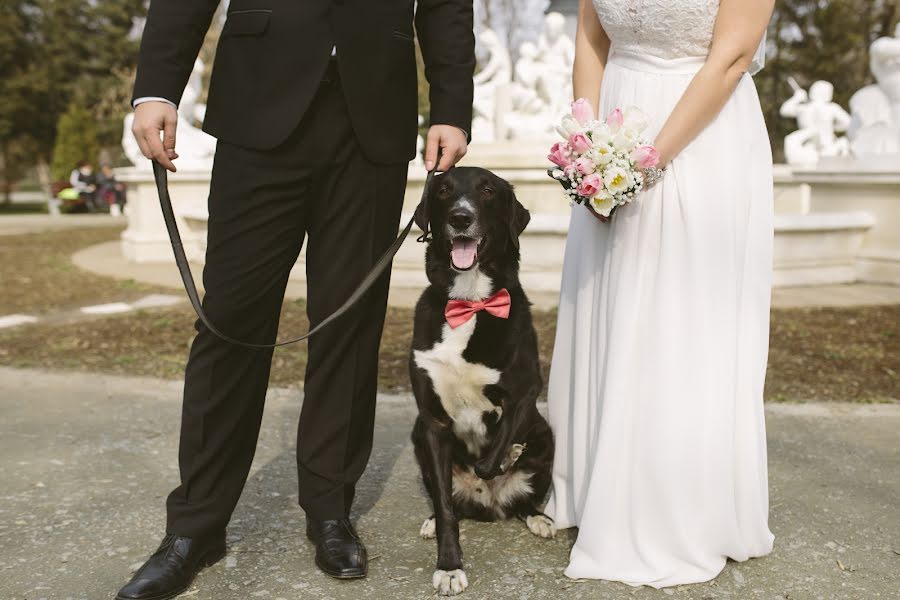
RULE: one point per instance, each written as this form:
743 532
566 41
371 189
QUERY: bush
76 139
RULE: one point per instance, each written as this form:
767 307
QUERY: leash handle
161 177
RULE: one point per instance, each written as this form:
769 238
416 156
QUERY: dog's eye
443 192
487 192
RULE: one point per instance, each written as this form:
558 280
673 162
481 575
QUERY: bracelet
653 175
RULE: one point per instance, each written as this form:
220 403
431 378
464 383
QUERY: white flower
601 155
603 203
626 140
601 134
634 119
568 127
617 180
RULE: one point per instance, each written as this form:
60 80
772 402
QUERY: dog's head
475 219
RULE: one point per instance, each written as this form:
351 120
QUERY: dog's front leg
511 430
449 578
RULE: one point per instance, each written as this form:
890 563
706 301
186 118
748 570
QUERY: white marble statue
420 146
554 45
495 74
875 126
524 102
818 118
513 21
196 148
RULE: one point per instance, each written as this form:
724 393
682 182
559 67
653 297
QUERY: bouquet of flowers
600 163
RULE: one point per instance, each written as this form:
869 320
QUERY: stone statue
196 148
875 109
420 146
818 118
496 73
553 45
531 114
528 101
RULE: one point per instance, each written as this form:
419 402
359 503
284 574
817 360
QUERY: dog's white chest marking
460 384
471 285
498 494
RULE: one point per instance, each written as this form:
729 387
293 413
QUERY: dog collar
459 312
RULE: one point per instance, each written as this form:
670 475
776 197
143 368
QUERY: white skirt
656 386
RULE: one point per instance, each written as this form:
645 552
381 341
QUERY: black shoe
173 567
339 552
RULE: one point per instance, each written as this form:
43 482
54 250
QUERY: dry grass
848 354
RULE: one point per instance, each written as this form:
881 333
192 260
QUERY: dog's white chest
458 383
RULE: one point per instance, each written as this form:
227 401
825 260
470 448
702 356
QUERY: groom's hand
152 119
452 142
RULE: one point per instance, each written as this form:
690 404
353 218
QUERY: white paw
427 530
541 526
449 583
513 455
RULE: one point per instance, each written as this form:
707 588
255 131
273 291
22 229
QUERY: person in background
110 191
83 181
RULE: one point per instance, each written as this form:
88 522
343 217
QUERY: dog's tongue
463 253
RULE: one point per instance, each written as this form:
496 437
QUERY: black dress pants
261 206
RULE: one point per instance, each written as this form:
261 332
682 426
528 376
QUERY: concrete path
86 462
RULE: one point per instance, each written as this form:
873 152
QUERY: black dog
484 450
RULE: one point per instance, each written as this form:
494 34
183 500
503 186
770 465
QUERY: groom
314 106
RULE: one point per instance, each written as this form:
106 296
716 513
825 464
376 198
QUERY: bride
657 376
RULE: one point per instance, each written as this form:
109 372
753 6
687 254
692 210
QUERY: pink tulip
579 142
645 156
585 166
615 120
582 111
589 186
560 155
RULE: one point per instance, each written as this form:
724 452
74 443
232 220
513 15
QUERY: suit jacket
272 55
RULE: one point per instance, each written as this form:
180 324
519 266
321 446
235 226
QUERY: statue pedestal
145 240
832 226
851 186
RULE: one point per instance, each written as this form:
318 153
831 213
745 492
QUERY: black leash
165 202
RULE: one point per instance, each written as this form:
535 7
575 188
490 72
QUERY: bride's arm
591 52
739 28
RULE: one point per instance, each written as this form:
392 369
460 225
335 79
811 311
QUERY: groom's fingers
432 143
452 142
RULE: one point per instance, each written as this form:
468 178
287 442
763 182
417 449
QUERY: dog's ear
421 216
518 216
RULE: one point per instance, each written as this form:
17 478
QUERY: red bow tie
458 312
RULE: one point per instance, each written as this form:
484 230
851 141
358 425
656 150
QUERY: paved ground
86 462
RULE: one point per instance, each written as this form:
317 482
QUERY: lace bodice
662 28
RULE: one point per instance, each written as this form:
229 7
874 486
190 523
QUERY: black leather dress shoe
173 567
339 552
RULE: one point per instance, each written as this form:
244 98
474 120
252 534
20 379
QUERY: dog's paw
427 529
449 583
541 526
515 452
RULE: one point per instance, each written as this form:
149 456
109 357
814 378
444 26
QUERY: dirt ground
820 354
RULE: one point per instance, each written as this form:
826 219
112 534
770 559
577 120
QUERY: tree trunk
7 184
46 182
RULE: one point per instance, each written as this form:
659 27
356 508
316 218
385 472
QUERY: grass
23 208
38 276
847 354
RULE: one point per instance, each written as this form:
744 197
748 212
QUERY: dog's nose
460 219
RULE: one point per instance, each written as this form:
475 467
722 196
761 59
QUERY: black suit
272 53
308 145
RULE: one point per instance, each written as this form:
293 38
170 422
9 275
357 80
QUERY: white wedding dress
656 386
